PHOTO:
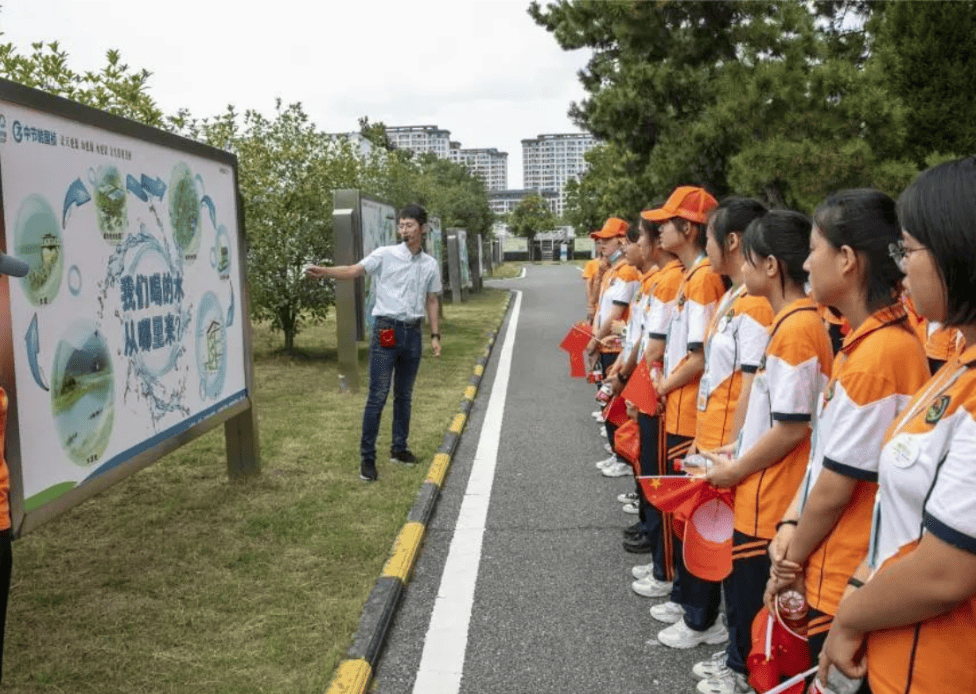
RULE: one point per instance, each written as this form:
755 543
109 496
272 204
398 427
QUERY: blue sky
479 68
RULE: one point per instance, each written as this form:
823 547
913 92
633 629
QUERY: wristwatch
433 335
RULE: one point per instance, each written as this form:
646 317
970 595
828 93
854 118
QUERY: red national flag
626 443
574 343
615 411
640 391
703 518
777 654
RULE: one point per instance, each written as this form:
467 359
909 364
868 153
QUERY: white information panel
128 330
465 262
379 229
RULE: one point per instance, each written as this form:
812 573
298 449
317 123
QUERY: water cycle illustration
82 393
184 210
38 243
211 346
110 203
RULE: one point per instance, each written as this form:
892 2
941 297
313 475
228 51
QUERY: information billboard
129 336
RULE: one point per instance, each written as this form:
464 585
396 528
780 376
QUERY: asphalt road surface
553 611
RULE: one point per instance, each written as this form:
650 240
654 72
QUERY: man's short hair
413 211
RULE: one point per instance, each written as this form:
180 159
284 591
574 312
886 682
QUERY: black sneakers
404 456
367 471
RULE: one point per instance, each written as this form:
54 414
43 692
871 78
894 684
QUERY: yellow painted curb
438 469
479 370
470 392
352 677
457 426
404 550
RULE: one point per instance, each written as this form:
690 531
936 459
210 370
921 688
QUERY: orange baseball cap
613 227
688 202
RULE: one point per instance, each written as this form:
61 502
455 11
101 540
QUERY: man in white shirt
407 282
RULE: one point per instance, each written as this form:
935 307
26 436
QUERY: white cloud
479 68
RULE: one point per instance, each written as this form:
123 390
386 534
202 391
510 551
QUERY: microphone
15 267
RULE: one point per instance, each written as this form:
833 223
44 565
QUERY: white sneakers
627 497
650 587
631 508
711 668
730 682
607 462
642 570
668 612
597 415
680 635
619 469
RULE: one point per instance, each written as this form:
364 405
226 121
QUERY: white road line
442 662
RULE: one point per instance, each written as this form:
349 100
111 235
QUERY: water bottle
837 683
604 394
696 464
343 385
792 607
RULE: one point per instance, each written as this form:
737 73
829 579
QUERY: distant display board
378 220
462 236
130 327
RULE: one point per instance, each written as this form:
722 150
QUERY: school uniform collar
672 264
968 356
619 265
802 304
882 318
700 262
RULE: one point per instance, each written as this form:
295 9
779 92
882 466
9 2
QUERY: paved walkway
552 610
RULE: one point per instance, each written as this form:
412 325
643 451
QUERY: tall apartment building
490 165
548 161
421 138
505 201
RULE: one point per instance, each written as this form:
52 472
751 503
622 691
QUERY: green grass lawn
176 580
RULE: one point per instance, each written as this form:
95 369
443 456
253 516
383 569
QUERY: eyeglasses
899 253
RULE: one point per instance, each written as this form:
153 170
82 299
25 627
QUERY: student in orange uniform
693 608
917 612
879 368
774 443
632 345
738 332
654 579
618 285
734 347
592 274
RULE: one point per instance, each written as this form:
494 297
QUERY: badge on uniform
937 409
904 450
829 393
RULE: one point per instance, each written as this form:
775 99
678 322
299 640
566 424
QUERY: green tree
532 216
774 99
376 133
926 52
115 88
287 172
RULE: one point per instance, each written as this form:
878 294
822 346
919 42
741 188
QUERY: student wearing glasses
909 618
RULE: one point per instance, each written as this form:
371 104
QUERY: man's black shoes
405 457
367 471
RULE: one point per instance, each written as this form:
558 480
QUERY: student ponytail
784 235
865 220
